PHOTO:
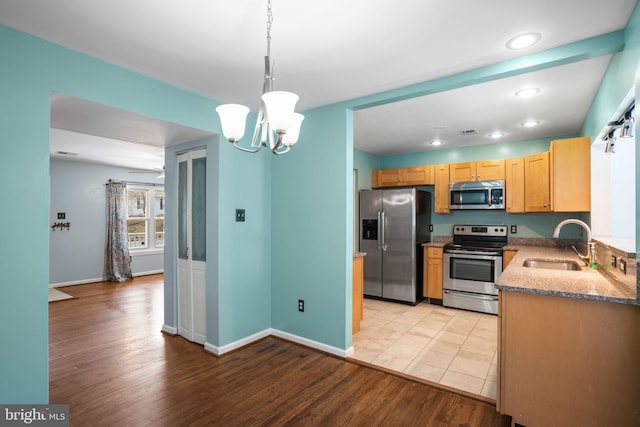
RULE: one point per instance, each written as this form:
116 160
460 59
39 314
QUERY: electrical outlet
300 305
514 229
62 215
431 227
623 266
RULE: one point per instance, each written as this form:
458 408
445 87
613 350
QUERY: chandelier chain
269 22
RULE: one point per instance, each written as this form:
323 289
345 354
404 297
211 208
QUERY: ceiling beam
578 51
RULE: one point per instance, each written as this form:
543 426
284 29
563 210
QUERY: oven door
471 271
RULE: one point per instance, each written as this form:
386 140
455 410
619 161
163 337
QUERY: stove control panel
480 230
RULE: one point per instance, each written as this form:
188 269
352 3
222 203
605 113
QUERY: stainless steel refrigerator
394 223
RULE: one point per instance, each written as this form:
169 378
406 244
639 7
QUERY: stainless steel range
471 265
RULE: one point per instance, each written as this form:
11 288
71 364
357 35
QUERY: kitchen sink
559 264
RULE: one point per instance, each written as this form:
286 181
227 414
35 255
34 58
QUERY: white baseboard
220 350
169 329
313 344
99 279
77 282
236 344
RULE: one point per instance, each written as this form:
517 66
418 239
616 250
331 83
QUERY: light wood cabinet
571 175
432 280
482 170
507 256
357 293
568 361
514 185
537 185
441 190
403 177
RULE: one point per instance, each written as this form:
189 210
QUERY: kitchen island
568 343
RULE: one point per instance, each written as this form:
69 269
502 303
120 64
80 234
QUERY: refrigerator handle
379 230
384 245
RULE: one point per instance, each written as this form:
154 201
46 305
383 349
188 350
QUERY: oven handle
461 252
474 296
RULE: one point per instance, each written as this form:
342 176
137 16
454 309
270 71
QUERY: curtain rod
152 184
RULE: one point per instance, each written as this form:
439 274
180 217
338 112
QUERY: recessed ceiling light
496 135
528 92
436 142
530 123
523 40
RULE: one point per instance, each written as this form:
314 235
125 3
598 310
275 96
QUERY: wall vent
469 132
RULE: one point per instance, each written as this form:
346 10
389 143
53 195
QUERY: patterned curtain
117 259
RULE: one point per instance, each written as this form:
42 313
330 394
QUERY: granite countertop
585 284
434 244
359 254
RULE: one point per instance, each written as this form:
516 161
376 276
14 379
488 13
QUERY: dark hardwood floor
112 365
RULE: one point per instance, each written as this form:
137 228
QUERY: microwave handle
490 195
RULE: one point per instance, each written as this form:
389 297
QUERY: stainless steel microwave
476 195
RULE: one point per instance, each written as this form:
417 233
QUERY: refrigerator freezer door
370 240
398 259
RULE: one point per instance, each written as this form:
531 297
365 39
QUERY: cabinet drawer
434 252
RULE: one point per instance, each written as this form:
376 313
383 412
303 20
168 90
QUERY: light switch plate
239 215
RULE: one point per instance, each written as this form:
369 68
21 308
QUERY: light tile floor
455 348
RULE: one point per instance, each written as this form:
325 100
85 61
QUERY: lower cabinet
358 293
432 279
568 361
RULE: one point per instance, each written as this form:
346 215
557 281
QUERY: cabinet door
490 169
418 175
461 172
537 197
434 278
571 175
507 256
389 177
441 184
374 179
514 182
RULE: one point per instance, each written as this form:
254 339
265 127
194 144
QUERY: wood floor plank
112 365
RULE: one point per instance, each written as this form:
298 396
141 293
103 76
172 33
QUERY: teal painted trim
584 49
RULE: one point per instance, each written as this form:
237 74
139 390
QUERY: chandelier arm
235 144
286 150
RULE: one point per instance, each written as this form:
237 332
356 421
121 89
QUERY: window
145 220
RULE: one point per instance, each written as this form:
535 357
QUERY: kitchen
533 225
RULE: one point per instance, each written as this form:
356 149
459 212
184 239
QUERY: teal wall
311 230
364 163
622 75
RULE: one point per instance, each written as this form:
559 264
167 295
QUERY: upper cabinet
441 188
483 170
514 183
537 195
571 175
403 177
559 180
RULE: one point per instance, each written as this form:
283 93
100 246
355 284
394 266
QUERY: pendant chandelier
277 126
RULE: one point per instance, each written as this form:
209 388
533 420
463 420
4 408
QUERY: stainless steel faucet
590 258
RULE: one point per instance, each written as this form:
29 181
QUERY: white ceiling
332 50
